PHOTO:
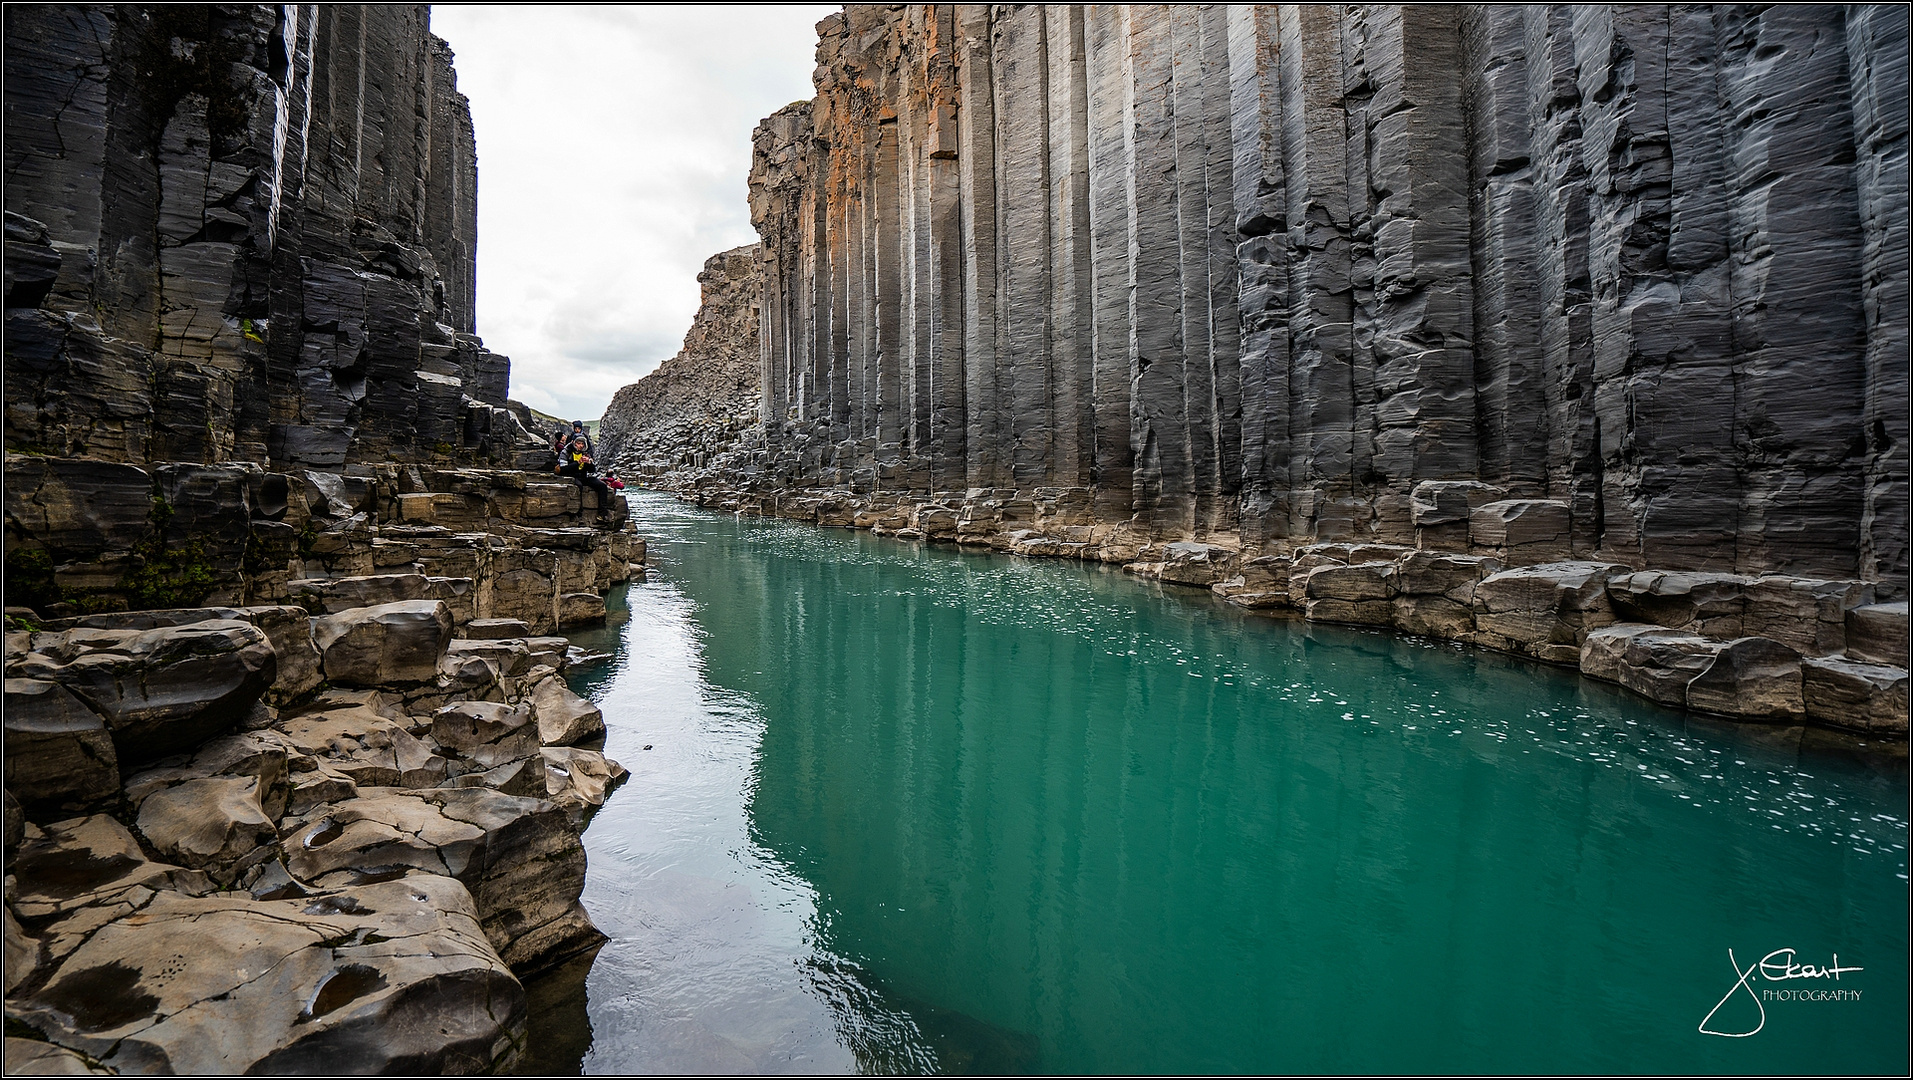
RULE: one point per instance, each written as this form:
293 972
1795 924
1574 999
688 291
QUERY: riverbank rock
164 690
520 857
392 976
493 745
1752 677
1545 611
578 781
400 642
564 718
59 756
360 745
1855 696
1877 633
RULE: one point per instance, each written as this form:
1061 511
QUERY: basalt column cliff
1228 293
294 782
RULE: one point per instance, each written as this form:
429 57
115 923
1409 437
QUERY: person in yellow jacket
575 460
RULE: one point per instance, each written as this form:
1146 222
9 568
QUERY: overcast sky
613 149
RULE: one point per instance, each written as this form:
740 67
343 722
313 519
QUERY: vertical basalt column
1159 434
1195 496
1264 269
1110 178
1565 308
1020 74
1876 40
1663 374
886 278
942 249
985 439
1422 303
1224 359
1799 331
1510 399
1261 259
1071 338
1314 143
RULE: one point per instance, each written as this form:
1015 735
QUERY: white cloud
614 145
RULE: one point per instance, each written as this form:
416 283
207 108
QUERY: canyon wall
1632 279
243 233
681 416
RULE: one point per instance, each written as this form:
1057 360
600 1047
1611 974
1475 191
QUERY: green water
911 809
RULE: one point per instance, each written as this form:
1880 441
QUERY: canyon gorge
294 781
1574 331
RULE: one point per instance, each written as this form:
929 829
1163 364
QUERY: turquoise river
902 808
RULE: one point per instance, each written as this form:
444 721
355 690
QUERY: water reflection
912 810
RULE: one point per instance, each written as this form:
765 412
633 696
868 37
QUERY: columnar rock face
692 407
242 232
1258 274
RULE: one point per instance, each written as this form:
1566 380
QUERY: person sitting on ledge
575 461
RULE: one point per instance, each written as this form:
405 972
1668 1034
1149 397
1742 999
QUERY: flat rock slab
389 977
521 858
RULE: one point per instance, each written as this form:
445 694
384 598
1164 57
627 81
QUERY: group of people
575 454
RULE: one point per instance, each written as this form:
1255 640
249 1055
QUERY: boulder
578 781
1190 563
1754 677
211 824
580 609
1262 582
1603 651
494 629
564 718
492 745
1710 604
59 756
1805 613
1855 696
1659 664
168 689
330 596
387 643
1877 633
509 655
520 857
289 629
1361 581
1544 611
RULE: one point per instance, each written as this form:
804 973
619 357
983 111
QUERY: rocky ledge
86 536
257 839
1488 570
